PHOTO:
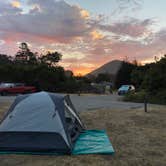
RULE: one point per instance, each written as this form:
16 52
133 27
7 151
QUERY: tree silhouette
24 55
51 58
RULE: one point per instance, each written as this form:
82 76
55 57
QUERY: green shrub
159 97
139 97
135 97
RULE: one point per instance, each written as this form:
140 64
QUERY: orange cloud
84 13
16 4
96 35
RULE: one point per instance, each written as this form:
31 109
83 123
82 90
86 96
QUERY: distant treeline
41 71
41 75
150 82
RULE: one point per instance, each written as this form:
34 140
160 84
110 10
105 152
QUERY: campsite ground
139 139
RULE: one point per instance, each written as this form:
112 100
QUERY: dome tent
40 122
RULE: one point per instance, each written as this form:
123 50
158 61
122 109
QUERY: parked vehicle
126 89
14 88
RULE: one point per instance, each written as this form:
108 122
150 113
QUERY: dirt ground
138 138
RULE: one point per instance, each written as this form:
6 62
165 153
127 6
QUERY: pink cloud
131 27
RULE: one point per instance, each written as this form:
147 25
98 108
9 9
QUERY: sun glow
15 4
81 71
96 35
84 13
147 61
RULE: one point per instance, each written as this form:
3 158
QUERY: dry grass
139 139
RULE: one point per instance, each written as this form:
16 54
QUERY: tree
51 58
155 77
124 74
4 59
24 55
137 76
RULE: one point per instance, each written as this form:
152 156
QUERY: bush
135 97
159 97
139 97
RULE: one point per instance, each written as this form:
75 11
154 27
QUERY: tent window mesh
71 124
69 117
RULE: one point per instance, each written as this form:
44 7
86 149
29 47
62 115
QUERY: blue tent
40 122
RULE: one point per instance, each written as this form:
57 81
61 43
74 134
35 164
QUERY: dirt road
93 102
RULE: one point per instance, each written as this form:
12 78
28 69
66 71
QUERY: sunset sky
88 33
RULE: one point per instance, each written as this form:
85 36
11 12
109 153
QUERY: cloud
141 50
8 9
2 42
96 35
85 14
16 4
131 27
160 36
85 43
128 5
55 20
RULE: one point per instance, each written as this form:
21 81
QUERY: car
124 89
14 88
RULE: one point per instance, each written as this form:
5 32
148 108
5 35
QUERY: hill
111 68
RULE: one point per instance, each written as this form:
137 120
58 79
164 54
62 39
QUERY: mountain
111 68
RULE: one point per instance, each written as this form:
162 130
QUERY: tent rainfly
40 122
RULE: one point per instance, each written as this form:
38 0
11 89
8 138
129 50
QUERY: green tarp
89 142
93 142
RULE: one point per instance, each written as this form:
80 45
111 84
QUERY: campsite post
145 103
